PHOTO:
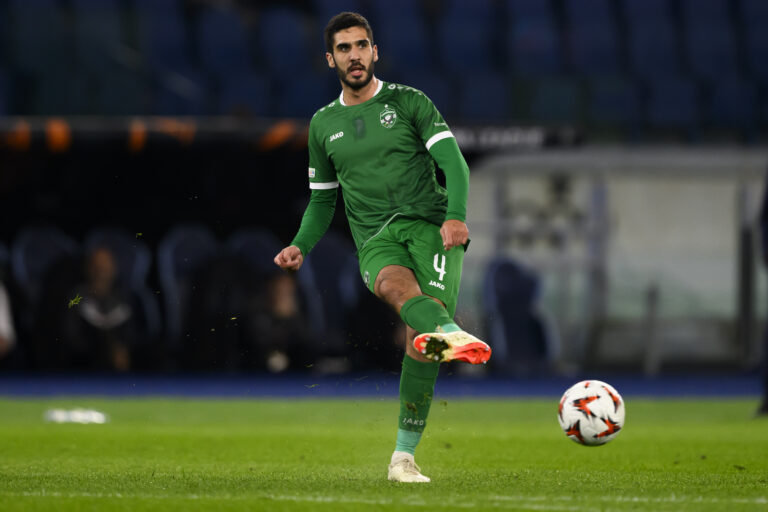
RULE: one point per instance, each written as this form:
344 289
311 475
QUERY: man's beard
355 86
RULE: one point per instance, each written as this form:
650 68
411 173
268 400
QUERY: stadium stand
178 57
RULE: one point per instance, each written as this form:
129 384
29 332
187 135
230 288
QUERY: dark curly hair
342 21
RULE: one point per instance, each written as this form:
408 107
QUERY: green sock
417 385
407 441
426 315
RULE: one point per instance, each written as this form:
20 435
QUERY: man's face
353 57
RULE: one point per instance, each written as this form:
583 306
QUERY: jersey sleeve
432 128
322 174
428 121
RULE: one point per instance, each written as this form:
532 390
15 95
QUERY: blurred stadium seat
295 99
594 49
5 93
223 41
653 48
590 12
706 12
484 95
163 35
183 92
326 9
673 102
283 31
733 103
98 33
533 48
614 102
648 11
244 93
521 340
466 36
438 87
39 37
710 49
403 40
556 101
756 39
182 253
35 251
528 9
592 37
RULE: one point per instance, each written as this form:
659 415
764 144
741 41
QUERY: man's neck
358 96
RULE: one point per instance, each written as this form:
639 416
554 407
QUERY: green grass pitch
331 455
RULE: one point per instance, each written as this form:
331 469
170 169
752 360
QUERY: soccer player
379 142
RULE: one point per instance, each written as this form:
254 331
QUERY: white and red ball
591 412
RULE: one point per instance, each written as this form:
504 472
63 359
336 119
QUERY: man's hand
454 233
289 258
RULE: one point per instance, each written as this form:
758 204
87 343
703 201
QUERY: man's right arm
315 222
322 202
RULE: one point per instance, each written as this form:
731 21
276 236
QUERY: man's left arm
448 156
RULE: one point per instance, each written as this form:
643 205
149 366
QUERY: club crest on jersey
388 117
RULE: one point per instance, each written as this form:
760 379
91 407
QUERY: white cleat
404 469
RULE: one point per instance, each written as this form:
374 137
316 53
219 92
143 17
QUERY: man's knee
395 285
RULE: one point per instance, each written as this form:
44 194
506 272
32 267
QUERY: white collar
378 89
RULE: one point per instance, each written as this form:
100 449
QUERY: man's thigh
438 271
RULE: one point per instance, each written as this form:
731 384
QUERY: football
591 412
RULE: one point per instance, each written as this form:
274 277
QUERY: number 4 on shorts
441 269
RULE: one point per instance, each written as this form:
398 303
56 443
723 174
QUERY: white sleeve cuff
324 186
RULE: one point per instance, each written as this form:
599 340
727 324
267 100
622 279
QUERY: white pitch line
525 502
518 505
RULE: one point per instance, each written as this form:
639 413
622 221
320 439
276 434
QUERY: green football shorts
415 244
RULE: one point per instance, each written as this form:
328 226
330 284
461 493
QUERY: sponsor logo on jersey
437 285
388 117
311 172
367 278
409 421
336 136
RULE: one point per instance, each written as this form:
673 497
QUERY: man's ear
330 59
375 53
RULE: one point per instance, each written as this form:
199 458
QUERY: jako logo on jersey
388 117
336 136
437 285
409 421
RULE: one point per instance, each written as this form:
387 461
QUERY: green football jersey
378 152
